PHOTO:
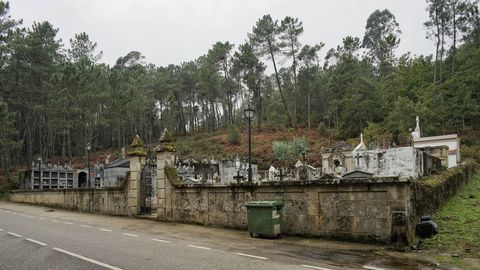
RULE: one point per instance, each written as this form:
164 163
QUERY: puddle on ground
355 258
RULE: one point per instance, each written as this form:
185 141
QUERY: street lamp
249 112
89 147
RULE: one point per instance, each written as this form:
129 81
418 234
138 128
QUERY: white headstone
298 164
271 173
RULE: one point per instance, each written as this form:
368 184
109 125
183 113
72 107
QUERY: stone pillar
165 158
136 156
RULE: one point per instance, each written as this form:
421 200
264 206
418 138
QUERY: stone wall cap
331 181
166 144
166 136
120 188
137 146
437 138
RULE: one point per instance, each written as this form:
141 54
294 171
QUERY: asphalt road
41 240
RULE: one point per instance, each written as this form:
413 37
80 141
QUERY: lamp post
249 112
89 147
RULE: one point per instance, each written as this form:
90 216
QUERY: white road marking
31 216
315 267
129 234
15 213
105 230
85 226
199 247
251 256
372 267
160 240
42 218
68 223
14 234
22 215
36 242
1 230
87 259
53 220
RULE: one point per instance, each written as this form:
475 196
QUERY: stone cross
238 177
357 157
281 175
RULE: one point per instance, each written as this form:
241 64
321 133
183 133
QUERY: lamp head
249 112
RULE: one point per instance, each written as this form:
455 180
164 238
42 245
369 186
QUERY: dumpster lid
264 203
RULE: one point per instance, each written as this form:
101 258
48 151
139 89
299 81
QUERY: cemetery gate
147 187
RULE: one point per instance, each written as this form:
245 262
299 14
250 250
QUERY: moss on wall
171 174
432 193
137 147
448 175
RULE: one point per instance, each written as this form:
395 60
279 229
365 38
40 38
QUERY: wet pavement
290 252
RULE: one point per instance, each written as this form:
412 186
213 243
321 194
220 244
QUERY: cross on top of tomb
416 134
361 145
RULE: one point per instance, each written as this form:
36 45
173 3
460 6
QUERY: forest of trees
54 98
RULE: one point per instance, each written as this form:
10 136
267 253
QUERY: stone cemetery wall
430 194
111 201
122 200
358 209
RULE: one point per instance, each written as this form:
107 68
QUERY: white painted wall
401 161
452 160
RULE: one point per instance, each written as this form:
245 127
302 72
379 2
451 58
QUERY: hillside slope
218 145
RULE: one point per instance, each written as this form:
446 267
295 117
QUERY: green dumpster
264 217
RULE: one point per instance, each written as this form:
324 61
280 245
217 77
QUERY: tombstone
298 168
216 177
272 173
313 173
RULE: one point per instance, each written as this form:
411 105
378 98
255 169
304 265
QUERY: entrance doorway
147 189
82 179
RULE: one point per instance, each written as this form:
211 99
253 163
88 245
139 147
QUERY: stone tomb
337 159
400 161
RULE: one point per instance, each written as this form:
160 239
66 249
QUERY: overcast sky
170 32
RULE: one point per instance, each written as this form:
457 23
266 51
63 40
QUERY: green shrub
171 174
470 151
284 151
281 150
234 137
322 129
298 147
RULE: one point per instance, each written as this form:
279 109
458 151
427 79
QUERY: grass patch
459 223
443 259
